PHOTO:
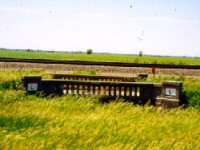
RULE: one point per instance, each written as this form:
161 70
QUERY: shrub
193 97
10 85
141 53
89 51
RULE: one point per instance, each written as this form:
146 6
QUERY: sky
156 27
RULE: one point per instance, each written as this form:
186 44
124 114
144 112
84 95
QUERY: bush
141 53
10 85
193 97
89 51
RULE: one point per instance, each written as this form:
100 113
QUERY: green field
30 122
100 57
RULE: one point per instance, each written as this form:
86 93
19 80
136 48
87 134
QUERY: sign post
153 70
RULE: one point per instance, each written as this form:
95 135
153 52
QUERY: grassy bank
100 57
29 122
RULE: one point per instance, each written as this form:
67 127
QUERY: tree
89 51
141 53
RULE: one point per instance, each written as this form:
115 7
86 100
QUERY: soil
100 69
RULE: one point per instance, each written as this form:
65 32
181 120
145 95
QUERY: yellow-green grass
188 81
29 122
99 57
71 122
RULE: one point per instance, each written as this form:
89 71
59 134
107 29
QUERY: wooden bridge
109 88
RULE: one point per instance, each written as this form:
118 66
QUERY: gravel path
102 69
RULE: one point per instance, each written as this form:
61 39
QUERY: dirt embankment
103 69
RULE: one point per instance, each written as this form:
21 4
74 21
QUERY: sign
170 92
32 87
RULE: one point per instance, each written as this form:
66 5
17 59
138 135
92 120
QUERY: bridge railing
94 77
167 94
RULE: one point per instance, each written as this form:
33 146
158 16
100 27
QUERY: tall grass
71 122
13 123
85 123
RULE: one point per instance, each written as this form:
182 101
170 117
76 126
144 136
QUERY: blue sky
158 27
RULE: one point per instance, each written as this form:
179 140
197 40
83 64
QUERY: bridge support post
171 94
32 84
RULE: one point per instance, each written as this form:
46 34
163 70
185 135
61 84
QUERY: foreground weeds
29 122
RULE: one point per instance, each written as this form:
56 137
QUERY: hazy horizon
166 28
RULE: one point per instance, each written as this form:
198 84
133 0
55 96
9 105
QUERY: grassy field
100 57
30 122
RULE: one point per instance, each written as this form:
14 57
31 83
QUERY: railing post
58 89
171 94
146 94
32 84
115 91
109 90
